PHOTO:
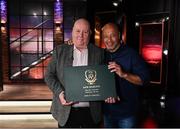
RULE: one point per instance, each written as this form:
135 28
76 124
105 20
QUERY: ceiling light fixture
116 2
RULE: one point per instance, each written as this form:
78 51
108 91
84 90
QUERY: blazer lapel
69 55
90 55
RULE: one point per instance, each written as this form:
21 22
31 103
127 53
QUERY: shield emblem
90 76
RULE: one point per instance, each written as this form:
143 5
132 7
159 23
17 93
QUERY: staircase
26 114
30 50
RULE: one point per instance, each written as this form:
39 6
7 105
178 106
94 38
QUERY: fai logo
90 76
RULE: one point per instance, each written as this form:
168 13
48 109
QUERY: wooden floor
38 91
25 121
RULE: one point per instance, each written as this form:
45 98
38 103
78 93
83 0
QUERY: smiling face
110 37
81 34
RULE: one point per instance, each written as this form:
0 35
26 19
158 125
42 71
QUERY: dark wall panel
1 80
174 50
72 11
151 6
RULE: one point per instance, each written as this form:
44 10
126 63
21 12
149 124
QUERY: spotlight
167 18
45 13
116 2
137 24
165 52
35 14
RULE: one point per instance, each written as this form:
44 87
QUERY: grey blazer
62 57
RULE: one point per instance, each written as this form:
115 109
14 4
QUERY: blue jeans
119 122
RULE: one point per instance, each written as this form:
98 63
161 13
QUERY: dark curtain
1 80
172 112
174 50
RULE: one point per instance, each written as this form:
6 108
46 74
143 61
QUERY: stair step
25 106
27 121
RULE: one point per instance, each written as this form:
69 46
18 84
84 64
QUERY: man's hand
112 100
63 100
117 69
133 78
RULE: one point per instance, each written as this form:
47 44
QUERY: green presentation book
89 83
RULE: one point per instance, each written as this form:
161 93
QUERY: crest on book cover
90 76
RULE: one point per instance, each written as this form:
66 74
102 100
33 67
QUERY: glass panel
25 75
28 59
14 22
15 46
24 16
31 21
14 70
31 8
49 22
31 47
40 54
14 34
48 34
31 35
40 65
15 58
46 62
47 47
36 73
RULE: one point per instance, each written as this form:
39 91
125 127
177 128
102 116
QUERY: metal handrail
42 58
45 56
30 31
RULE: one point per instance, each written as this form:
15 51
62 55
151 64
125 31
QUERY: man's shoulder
130 50
64 45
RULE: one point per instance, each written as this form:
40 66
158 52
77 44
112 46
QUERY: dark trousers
80 118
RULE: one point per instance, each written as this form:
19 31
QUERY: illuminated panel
152 53
58 11
58 20
3 11
36 73
151 44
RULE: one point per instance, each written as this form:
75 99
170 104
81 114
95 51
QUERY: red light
149 123
152 53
